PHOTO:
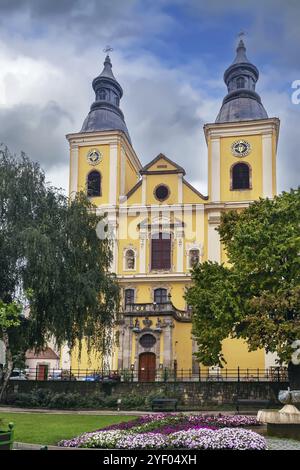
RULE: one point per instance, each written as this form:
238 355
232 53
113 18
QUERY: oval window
147 341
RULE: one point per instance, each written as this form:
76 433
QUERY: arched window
129 296
160 296
102 94
240 82
94 184
240 176
194 257
161 251
129 259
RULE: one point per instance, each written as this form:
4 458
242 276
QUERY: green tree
52 263
257 295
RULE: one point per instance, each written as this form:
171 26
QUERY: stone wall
189 393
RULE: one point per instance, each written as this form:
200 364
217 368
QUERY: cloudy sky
169 56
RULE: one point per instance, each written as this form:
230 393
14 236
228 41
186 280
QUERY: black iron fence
45 373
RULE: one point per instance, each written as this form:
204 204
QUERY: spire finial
107 49
241 43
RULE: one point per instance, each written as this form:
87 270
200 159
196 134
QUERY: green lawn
38 428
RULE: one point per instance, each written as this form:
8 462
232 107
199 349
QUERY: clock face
94 157
240 148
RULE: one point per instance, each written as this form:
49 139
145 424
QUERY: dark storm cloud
87 21
164 106
36 131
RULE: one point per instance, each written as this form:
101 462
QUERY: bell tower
242 142
103 162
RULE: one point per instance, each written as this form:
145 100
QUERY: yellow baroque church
161 225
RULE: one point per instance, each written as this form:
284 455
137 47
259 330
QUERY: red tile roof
47 353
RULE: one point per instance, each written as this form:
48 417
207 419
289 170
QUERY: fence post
238 375
36 372
258 375
199 374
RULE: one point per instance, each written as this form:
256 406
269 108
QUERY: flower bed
175 431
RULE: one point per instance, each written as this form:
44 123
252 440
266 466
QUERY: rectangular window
161 251
129 297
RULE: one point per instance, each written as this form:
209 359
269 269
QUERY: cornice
157 277
81 139
228 129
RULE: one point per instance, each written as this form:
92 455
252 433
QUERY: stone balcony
157 309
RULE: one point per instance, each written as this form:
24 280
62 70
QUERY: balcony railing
165 308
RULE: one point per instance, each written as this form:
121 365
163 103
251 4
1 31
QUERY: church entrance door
147 363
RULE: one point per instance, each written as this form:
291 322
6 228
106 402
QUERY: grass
35 428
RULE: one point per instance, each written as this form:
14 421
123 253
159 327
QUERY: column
215 171
267 164
214 245
123 170
144 189
143 245
179 265
74 170
168 350
180 189
113 173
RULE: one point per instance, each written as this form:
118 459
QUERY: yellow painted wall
182 345
86 361
169 180
236 354
131 176
190 196
84 168
254 159
144 291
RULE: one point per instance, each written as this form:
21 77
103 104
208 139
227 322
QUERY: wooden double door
147 367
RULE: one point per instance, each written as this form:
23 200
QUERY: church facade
161 226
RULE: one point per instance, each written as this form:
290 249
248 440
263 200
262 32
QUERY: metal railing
44 373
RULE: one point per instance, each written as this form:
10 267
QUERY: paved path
275 443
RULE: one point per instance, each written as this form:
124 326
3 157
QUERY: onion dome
105 113
242 103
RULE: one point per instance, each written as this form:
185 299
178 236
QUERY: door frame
150 373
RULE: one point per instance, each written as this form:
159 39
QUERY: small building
41 364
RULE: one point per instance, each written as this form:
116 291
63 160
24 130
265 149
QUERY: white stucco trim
143 246
65 357
267 160
123 172
144 190
214 245
105 138
270 360
180 189
215 171
113 173
233 129
180 250
73 171
133 249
